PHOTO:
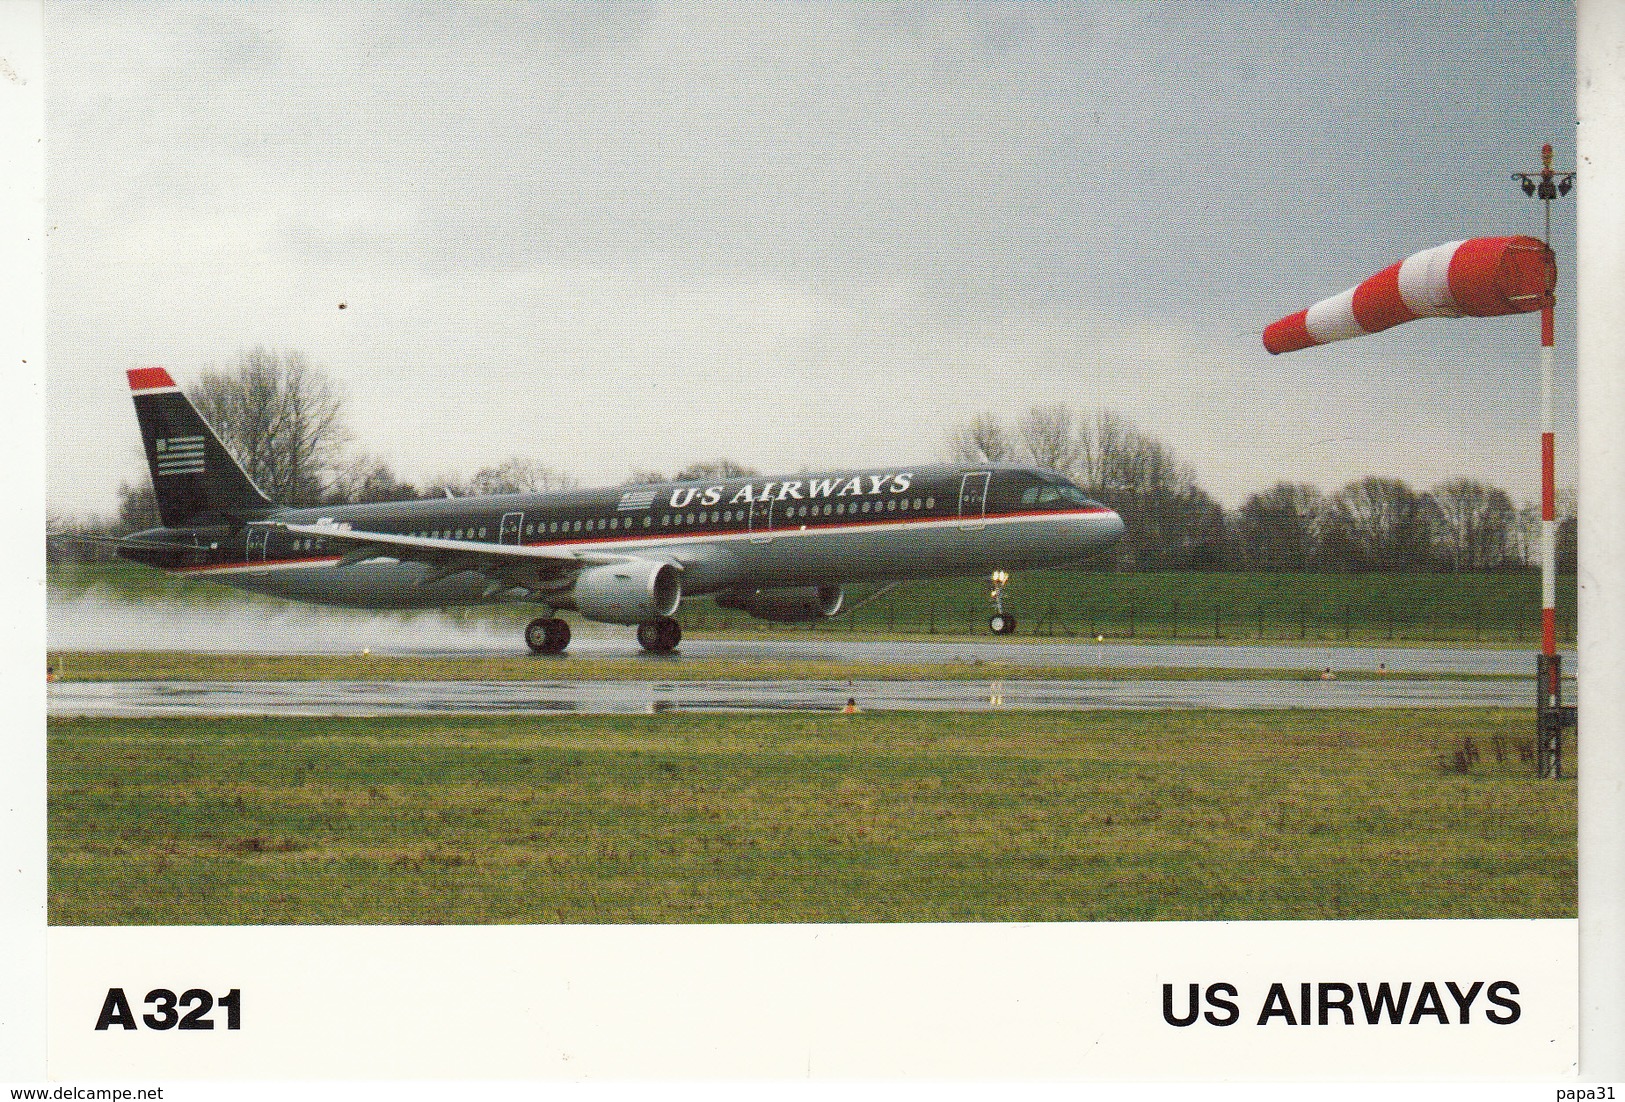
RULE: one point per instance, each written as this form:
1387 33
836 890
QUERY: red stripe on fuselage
678 535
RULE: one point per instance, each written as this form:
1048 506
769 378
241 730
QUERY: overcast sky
620 236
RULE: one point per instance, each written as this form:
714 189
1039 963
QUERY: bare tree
365 478
715 469
1279 529
707 469
1476 525
1046 436
1172 523
1382 524
983 440
516 475
1108 460
137 507
1050 438
280 417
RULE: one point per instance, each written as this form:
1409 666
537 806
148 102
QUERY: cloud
795 233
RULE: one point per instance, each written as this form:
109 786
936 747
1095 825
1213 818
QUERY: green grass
746 818
1474 609
186 666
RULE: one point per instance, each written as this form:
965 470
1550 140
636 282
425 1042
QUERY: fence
1174 619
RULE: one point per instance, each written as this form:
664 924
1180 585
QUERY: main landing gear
1001 622
660 636
550 635
547 635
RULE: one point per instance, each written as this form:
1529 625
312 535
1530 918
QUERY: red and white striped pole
1548 505
1548 185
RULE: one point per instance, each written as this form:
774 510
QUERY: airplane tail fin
194 478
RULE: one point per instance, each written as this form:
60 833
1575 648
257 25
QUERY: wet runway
377 698
235 624
240 625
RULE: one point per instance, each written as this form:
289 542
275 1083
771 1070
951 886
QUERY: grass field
1483 609
189 666
746 818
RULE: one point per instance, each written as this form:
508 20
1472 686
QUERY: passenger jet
780 549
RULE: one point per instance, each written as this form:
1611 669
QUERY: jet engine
629 592
785 606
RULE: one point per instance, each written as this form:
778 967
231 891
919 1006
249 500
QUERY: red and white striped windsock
1481 278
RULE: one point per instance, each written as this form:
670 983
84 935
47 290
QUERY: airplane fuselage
727 534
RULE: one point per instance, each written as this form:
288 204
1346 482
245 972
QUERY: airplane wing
446 557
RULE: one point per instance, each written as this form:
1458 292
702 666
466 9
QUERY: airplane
780 549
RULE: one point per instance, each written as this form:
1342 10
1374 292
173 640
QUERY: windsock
1481 278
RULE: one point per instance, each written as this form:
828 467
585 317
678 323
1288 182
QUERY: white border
815 1003
1601 204
1600 199
22 563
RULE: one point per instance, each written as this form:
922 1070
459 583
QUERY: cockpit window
1053 494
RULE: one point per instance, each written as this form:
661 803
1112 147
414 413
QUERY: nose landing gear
1001 622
